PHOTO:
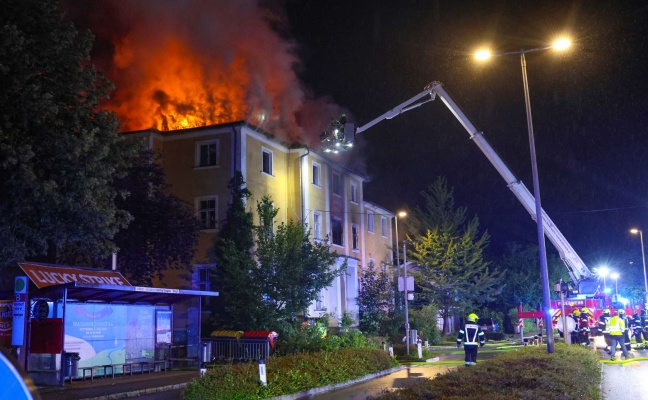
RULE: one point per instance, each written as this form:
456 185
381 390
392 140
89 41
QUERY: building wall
304 186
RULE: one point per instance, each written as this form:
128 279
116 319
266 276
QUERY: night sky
589 103
589 108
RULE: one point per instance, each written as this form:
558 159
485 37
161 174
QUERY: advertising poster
6 318
105 334
163 328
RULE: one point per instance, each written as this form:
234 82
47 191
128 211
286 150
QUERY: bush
289 374
571 372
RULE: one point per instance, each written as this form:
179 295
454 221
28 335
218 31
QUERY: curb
135 393
323 389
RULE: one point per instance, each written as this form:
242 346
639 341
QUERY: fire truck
584 289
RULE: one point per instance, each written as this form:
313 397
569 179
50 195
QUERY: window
370 221
266 161
354 193
207 154
316 175
337 232
319 301
207 211
336 183
354 236
266 219
383 221
317 225
201 277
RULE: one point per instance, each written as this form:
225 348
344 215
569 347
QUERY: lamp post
643 259
401 214
407 330
482 55
603 271
615 276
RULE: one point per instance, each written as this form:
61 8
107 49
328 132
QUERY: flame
179 91
179 65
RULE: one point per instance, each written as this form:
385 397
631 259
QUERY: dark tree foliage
164 230
453 273
58 152
292 268
375 301
234 261
265 275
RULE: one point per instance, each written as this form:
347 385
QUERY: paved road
375 387
625 381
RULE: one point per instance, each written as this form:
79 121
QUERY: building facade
304 186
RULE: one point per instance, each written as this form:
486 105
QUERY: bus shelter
80 329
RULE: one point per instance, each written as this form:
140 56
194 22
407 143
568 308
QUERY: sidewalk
120 387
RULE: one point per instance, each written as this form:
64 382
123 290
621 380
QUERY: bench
83 372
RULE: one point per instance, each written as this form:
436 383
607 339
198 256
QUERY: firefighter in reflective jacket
603 326
616 326
470 335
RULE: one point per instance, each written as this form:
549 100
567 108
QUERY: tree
452 271
374 300
164 230
266 276
293 269
239 303
59 153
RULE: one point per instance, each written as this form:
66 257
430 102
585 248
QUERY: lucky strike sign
47 275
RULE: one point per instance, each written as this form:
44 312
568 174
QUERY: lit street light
482 55
643 258
603 271
401 214
615 276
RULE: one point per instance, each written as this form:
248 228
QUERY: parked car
487 324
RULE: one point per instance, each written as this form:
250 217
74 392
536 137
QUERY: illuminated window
370 221
317 180
206 207
266 161
337 232
207 153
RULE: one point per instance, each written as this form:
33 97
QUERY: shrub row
289 374
571 372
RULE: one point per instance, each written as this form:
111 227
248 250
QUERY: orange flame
177 91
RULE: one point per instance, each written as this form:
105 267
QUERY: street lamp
643 258
401 214
615 276
482 55
603 271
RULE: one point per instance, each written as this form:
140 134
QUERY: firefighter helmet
585 310
606 311
472 317
576 313
621 312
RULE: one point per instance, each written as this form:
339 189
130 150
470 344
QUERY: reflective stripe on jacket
469 334
616 326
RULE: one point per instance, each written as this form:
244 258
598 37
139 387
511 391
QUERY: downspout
301 184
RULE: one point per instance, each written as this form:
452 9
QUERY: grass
571 372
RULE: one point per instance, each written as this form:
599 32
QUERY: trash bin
71 364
